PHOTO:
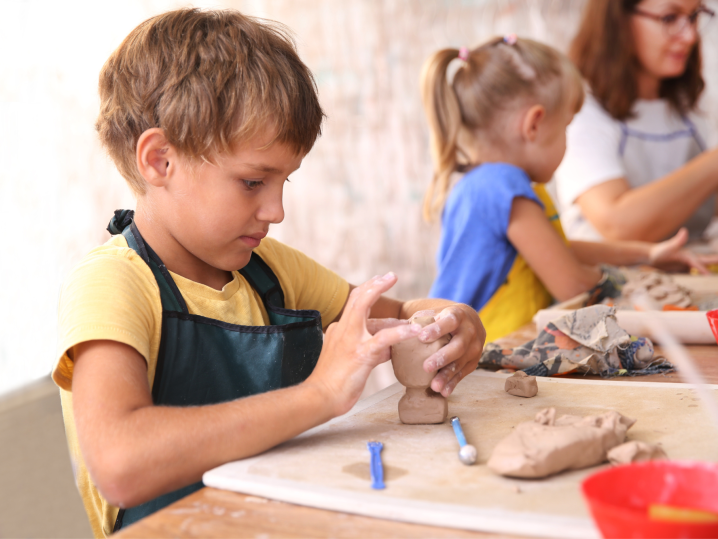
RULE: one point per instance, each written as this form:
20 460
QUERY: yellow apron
522 295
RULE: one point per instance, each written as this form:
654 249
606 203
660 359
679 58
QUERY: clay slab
430 486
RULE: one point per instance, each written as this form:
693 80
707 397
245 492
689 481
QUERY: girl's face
550 146
664 36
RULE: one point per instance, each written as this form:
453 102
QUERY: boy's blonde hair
493 78
209 79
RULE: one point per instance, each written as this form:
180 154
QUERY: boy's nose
272 210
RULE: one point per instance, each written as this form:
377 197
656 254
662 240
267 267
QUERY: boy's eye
252 184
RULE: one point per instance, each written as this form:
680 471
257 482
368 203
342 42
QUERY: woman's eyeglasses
674 23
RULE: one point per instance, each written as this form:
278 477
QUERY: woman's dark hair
603 52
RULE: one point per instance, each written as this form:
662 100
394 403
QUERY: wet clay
635 452
420 405
362 471
547 445
521 384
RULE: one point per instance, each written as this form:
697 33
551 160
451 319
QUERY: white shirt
653 143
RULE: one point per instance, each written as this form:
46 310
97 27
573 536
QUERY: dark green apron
205 361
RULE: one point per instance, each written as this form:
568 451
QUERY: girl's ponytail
444 115
490 81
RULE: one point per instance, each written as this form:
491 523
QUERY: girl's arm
629 253
652 211
546 253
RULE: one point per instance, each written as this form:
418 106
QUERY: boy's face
220 212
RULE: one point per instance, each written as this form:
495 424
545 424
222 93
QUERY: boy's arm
455 360
136 451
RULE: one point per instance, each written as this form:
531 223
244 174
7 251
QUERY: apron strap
261 277
123 223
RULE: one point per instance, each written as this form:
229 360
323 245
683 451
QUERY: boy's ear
531 122
153 156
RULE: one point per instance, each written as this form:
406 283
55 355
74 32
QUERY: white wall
355 204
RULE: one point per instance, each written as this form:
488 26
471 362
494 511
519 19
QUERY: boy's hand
350 351
461 355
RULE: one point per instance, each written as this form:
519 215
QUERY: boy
171 360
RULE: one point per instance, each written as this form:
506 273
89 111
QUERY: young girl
502 120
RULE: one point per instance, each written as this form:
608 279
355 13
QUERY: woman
637 166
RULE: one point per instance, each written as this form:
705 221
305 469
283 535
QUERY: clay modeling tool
467 453
375 466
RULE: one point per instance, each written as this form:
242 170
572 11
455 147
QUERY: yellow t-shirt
112 294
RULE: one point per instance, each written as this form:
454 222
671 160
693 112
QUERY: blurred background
355 205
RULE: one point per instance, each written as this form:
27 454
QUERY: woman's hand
461 355
671 252
354 345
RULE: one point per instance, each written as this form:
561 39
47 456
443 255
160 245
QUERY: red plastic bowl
619 498
712 317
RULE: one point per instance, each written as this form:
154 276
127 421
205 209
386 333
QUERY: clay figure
420 405
521 384
659 287
635 451
548 445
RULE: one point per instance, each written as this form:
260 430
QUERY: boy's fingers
444 325
445 355
390 336
373 325
365 295
449 387
443 376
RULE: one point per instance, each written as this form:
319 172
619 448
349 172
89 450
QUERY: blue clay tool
377 470
467 453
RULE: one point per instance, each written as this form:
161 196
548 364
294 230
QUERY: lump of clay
521 384
635 452
548 445
420 405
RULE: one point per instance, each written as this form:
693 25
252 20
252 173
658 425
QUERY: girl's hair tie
510 39
464 54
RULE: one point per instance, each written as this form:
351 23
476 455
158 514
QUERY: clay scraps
635 451
521 384
587 340
548 445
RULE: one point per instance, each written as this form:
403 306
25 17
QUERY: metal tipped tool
467 453
375 466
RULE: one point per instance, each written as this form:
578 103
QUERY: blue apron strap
624 139
696 135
